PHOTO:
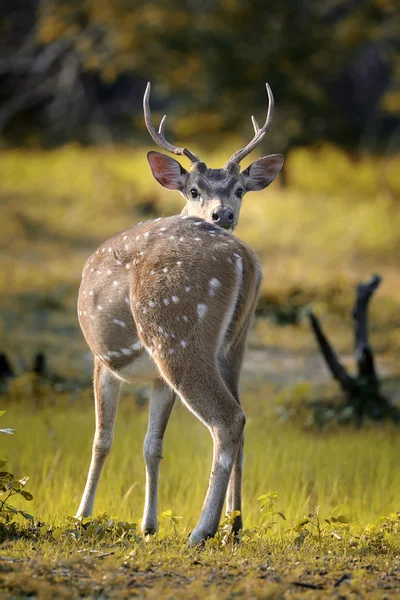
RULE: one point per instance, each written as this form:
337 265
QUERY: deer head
212 194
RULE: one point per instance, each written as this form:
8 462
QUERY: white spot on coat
201 310
137 345
126 351
120 323
214 284
175 299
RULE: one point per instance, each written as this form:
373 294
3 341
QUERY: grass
343 471
53 444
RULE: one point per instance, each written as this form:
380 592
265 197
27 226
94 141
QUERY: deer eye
194 193
240 192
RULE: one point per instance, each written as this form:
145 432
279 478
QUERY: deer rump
177 289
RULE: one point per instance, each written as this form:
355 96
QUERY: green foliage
311 527
101 529
168 516
9 487
267 510
293 45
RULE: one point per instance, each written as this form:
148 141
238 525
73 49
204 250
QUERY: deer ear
167 171
262 172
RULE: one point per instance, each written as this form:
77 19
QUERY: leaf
91 529
282 516
327 521
263 497
2 412
43 530
301 524
7 431
27 495
23 481
248 533
3 462
167 514
26 515
16 485
342 519
56 534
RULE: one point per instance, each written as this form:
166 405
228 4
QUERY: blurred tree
77 69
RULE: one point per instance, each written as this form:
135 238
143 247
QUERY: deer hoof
149 529
198 537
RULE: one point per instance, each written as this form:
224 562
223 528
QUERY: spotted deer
171 300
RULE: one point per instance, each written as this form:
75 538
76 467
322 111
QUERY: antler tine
259 132
158 136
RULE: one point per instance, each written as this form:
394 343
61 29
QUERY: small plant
225 532
314 528
167 515
267 510
10 486
92 529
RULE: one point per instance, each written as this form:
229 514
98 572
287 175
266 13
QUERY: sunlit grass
349 468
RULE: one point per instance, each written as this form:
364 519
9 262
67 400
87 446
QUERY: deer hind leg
161 405
230 366
206 395
230 370
106 394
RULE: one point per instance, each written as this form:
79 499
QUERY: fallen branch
363 391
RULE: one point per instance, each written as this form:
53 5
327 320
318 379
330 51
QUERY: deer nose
223 216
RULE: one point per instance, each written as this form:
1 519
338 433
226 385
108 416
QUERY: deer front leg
161 405
106 394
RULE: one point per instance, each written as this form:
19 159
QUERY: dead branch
363 352
338 371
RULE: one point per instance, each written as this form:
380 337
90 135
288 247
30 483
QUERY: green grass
356 472
345 467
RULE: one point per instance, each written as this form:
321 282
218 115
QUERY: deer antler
259 132
158 136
